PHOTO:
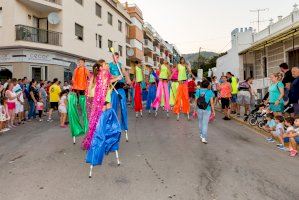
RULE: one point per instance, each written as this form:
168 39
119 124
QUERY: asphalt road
164 159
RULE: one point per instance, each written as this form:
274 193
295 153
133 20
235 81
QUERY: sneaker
225 118
40 120
238 115
156 113
49 120
136 115
270 139
203 140
141 115
293 153
149 112
282 148
178 118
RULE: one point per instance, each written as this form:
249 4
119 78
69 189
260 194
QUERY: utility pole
258 11
198 57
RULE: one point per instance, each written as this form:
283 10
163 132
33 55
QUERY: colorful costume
105 139
138 91
80 81
182 100
152 89
162 90
173 86
101 88
120 98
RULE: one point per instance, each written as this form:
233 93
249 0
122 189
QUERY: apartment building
277 43
41 39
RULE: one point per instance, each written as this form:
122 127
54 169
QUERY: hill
191 57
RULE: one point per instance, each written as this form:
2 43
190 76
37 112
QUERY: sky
191 24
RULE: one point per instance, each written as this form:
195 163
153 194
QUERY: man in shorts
234 85
19 111
54 92
225 95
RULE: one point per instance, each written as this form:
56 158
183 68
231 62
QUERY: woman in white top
11 103
62 108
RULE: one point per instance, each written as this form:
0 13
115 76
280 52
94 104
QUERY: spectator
63 108
3 115
278 133
289 123
234 85
225 95
44 96
270 126
276 93
191 89
66 86
32 99
215 86
244 95
287 79
294 91
40 108
54 92
19 111
11 103
204 112
294 137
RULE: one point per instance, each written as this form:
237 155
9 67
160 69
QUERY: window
120 26
127 30
98 10
79 31
110 18
98 41
79 2
120 50
110 45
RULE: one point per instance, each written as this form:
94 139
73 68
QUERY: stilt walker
174 85
139 77
152 89
118 97
162 90
182 102
78 124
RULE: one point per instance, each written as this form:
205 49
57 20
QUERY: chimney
279 17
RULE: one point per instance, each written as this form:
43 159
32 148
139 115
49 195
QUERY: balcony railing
54 1
148 44
156 50
149 61
31 34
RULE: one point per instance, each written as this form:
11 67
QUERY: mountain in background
192 57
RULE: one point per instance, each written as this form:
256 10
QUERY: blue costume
116 100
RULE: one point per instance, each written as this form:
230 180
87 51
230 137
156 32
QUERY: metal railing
54 1
31 34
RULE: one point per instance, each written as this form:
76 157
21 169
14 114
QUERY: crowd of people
22 101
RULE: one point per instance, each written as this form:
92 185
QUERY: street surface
164 159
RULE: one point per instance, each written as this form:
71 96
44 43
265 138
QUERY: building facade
240 40
43 48
277 43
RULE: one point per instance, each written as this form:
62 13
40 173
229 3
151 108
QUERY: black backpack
201 102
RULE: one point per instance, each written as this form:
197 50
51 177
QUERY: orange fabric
182 100
80 78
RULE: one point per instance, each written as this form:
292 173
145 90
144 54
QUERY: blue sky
191 24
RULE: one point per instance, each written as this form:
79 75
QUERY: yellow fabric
139 77
182 73
54 93
234 84
164 72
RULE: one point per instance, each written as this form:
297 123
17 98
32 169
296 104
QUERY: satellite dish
130 52
53 18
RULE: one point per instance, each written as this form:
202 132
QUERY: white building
33 46
240 40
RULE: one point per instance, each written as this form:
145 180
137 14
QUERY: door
37 73
293 58
34 32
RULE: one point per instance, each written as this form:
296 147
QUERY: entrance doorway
5 74
293 58
36 73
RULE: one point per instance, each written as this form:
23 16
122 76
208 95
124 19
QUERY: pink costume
101 89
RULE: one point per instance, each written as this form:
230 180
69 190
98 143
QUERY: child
289 122
293 138
278 133
40 108
3 116
62 108
270 126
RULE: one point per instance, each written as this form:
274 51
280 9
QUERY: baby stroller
257 116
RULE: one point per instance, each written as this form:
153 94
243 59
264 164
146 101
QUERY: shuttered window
110 18
79 31
98 10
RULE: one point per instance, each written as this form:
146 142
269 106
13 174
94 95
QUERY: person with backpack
205 104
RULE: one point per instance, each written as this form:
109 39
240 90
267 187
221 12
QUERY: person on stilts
162 90
174 85
139 77
118 96
152 89
182 103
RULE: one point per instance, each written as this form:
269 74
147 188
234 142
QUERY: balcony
156 50
162 54
148 45
148 61
43 5
31 34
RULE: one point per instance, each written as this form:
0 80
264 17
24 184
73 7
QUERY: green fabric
108 96
82 103
182 76
234 85
163 72
152 79
74 120
139 77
